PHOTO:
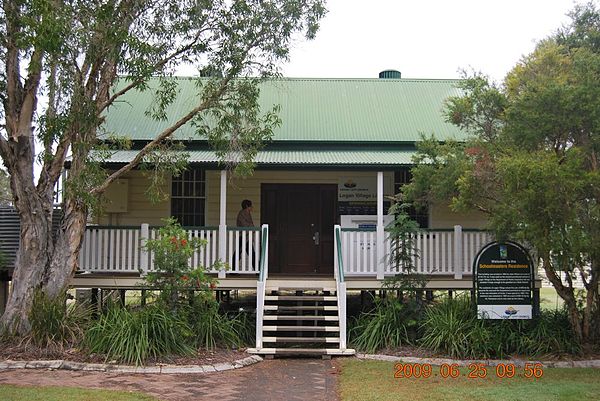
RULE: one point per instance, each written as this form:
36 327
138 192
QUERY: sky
425 38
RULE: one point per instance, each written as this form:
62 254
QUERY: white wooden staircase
301 318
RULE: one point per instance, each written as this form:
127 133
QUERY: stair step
301 339
302 328
317 308
285 317
300 298
301 351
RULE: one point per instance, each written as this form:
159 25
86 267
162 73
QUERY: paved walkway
270 380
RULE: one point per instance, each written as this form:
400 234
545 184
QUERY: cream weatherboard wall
139 207
141 210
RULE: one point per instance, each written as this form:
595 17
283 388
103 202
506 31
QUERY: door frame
276 256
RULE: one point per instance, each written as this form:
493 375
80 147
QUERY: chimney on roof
390 74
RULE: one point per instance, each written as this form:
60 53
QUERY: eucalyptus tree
533 163
61 62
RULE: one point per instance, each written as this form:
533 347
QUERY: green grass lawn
19 393
363 380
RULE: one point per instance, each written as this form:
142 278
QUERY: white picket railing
243 249
114 249
121 249
438 252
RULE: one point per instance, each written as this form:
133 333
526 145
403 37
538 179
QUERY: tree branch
140 80
162 136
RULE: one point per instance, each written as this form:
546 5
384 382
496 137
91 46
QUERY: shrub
54 324
391 324
177 281
134 336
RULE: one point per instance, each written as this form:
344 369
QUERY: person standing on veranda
244 219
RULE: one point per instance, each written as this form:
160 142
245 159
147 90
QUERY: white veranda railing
438 252
121 249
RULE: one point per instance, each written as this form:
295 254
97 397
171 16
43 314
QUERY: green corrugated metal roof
343 157
337 110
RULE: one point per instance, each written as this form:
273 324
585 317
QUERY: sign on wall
357 189
358 195
503 281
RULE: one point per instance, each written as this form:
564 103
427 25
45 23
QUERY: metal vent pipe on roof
390 74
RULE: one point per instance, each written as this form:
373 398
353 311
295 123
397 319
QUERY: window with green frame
188 196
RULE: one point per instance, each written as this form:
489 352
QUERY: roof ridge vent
390 74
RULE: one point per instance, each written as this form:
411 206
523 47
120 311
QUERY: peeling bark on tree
35 236
65 259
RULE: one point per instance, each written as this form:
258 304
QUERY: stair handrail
340 285
264 253
260 284
338 249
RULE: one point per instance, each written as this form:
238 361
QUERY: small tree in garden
178 281
403 231
393 322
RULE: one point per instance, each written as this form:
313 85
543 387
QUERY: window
188 196
421 216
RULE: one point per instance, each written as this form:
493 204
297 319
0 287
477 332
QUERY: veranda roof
299 158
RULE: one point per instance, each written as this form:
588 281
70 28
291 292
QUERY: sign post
503 281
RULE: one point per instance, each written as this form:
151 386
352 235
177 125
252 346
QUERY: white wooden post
266 264
380 232
144 235
342 313
223 223
335 251
260 311
458 253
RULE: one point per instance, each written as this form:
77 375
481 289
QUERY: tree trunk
568 295
33 254
65 258
591 306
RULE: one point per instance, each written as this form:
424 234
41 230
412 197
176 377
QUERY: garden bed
16 352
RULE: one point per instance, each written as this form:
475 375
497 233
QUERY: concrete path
270 380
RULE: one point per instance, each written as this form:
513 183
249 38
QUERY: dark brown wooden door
301 219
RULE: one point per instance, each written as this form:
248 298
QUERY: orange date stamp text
473 371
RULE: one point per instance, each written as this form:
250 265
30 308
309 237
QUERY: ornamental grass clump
212 328
451 327
55 324
391 324
135 336
549 334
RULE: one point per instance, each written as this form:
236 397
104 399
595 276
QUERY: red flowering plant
172 272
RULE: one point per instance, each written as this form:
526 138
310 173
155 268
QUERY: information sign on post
503 281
